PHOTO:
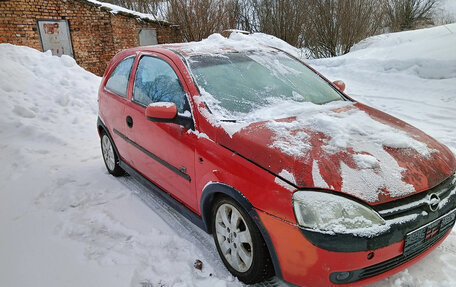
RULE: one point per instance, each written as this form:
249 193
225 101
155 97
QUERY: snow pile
435 43
365 161
432 57
116 9
63 218
217 44
268 41
45 98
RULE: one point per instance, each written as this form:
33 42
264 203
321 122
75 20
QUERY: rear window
118 80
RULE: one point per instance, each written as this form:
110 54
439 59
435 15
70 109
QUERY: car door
164 152
112 101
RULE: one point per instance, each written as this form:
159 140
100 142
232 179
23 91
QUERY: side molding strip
163 162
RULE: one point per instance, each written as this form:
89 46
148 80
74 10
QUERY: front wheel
109 156
239 242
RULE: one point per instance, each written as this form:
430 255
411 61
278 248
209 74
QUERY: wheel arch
216 189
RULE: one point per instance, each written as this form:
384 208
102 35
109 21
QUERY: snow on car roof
214 44
236 42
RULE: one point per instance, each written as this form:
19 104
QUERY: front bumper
415 243
303 263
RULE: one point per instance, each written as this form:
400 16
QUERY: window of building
147 37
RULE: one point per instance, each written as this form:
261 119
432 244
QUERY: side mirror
165 112
161 112
340 85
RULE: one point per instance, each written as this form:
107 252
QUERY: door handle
129 122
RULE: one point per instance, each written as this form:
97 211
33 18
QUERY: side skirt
166 197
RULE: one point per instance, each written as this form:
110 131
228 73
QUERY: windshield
234 85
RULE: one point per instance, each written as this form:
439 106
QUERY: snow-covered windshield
234 85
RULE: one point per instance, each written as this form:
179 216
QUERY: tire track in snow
191 232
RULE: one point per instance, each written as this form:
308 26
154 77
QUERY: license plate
419 238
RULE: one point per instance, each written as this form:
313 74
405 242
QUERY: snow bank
436 43
427 53
433 54
45 97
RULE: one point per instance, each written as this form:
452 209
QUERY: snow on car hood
346 147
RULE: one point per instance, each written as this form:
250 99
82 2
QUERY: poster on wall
55 36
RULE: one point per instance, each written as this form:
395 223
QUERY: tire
109 156
239 242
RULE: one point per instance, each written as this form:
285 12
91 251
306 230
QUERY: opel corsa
291 176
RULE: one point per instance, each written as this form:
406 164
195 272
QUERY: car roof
204 48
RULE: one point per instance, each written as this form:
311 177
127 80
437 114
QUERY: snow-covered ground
65 222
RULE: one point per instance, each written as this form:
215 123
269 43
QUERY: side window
156 81
118 80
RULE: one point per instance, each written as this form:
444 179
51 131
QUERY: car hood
346 147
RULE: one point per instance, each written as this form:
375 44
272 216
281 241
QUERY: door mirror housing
161 111
340 85
166 112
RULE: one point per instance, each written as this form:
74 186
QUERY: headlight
328 212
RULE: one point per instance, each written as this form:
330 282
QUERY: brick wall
97 34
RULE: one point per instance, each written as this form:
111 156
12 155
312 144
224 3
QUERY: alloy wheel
108 153
234 238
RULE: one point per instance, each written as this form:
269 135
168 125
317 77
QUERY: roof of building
115 9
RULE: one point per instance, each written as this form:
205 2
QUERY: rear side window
118 80
156 81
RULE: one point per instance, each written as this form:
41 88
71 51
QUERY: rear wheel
109 156
239 242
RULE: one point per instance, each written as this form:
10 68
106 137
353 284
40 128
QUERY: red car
291 176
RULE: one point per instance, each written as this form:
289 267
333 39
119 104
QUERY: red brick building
90 32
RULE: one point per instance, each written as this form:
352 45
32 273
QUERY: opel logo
433 202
